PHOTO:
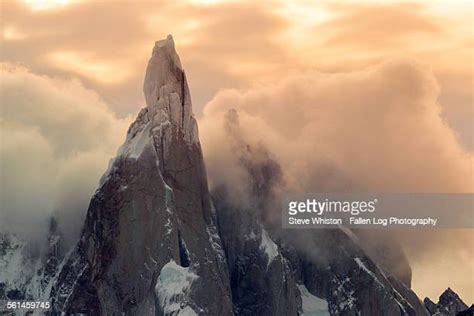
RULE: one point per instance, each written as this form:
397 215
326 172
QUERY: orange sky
244 44
240 44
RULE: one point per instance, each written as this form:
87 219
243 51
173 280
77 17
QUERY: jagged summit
448 294
164 68
150 245
449 304
166 91
167 46
168 112
451 300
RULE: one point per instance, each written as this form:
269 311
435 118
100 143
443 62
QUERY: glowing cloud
97 70
40 5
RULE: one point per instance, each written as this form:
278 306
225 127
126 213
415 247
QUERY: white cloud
379 129
375 130
56 140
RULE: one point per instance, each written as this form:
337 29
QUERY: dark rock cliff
149 244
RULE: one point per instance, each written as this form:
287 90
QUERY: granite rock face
287 272
149 245
331 267
261 278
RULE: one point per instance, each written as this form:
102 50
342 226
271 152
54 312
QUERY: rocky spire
150 245
166 90
168 115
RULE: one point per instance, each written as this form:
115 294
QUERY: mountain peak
165 42
166 46
166 92
449 304
164 68
168 113
450 297
149 244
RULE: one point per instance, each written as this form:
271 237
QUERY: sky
72 76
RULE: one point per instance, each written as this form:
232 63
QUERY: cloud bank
235 44
56 139
377 130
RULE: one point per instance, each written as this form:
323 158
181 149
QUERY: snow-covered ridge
366 270
399 299
134 145
22 270
16 265
268 247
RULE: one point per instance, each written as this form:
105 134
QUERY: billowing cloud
231 44
56 139
378 130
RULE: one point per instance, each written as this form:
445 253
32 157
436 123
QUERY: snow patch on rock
24 271
172 289
312 305
345 294
135 143
252 236
365 269
268 247
168 226
187 311
215 241
16 268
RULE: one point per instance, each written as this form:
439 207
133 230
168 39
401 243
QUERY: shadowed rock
152 210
